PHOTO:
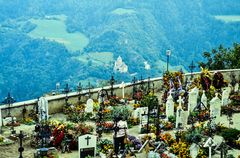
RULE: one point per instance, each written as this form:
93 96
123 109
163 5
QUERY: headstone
236 87
194 149
192 99
89 106
204 99
225 97
179 112
122 85
43 109
169 106
215 108
184 119
87 145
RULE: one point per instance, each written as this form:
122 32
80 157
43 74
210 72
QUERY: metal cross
88 138
9 100
112 81
192 67
66 91
134 87
79 89
20 149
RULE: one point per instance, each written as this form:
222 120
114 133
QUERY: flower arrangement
137 144
28 121
135 106
181 149
168 138
205 79
175 77
218 80
104 145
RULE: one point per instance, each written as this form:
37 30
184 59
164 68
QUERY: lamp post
168 53
112 81
134 88
191 67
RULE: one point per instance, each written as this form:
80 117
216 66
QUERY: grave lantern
168 53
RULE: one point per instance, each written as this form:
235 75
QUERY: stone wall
57 102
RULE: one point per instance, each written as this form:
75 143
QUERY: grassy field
228 18
97 58
54 28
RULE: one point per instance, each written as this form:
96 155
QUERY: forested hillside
45 42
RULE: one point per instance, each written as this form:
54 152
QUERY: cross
89 89
112 81
79 89
191 67
180 101
88 138
122 85
21 149
148 84
66 91
9 100
134 87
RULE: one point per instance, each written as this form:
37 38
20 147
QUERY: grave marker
87 145
215 108
89 106
43 109
169 106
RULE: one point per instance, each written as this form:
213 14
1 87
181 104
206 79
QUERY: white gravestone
143 117
179 112
192 99
43 109
184 120
87 145
215 108
169 107
204 99
236 87
89 106
225 97
122 85
194 149
136 113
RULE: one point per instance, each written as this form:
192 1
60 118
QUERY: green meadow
54 28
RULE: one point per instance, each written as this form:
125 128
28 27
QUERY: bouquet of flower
104 145
135 142
181 149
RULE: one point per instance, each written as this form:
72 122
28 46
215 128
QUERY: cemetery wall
57 102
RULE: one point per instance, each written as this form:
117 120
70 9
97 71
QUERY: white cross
122 85
180 101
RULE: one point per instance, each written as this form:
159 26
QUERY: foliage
150 101
222 58
123 111
229 135
175 77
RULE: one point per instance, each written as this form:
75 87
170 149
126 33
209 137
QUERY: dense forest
138 31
